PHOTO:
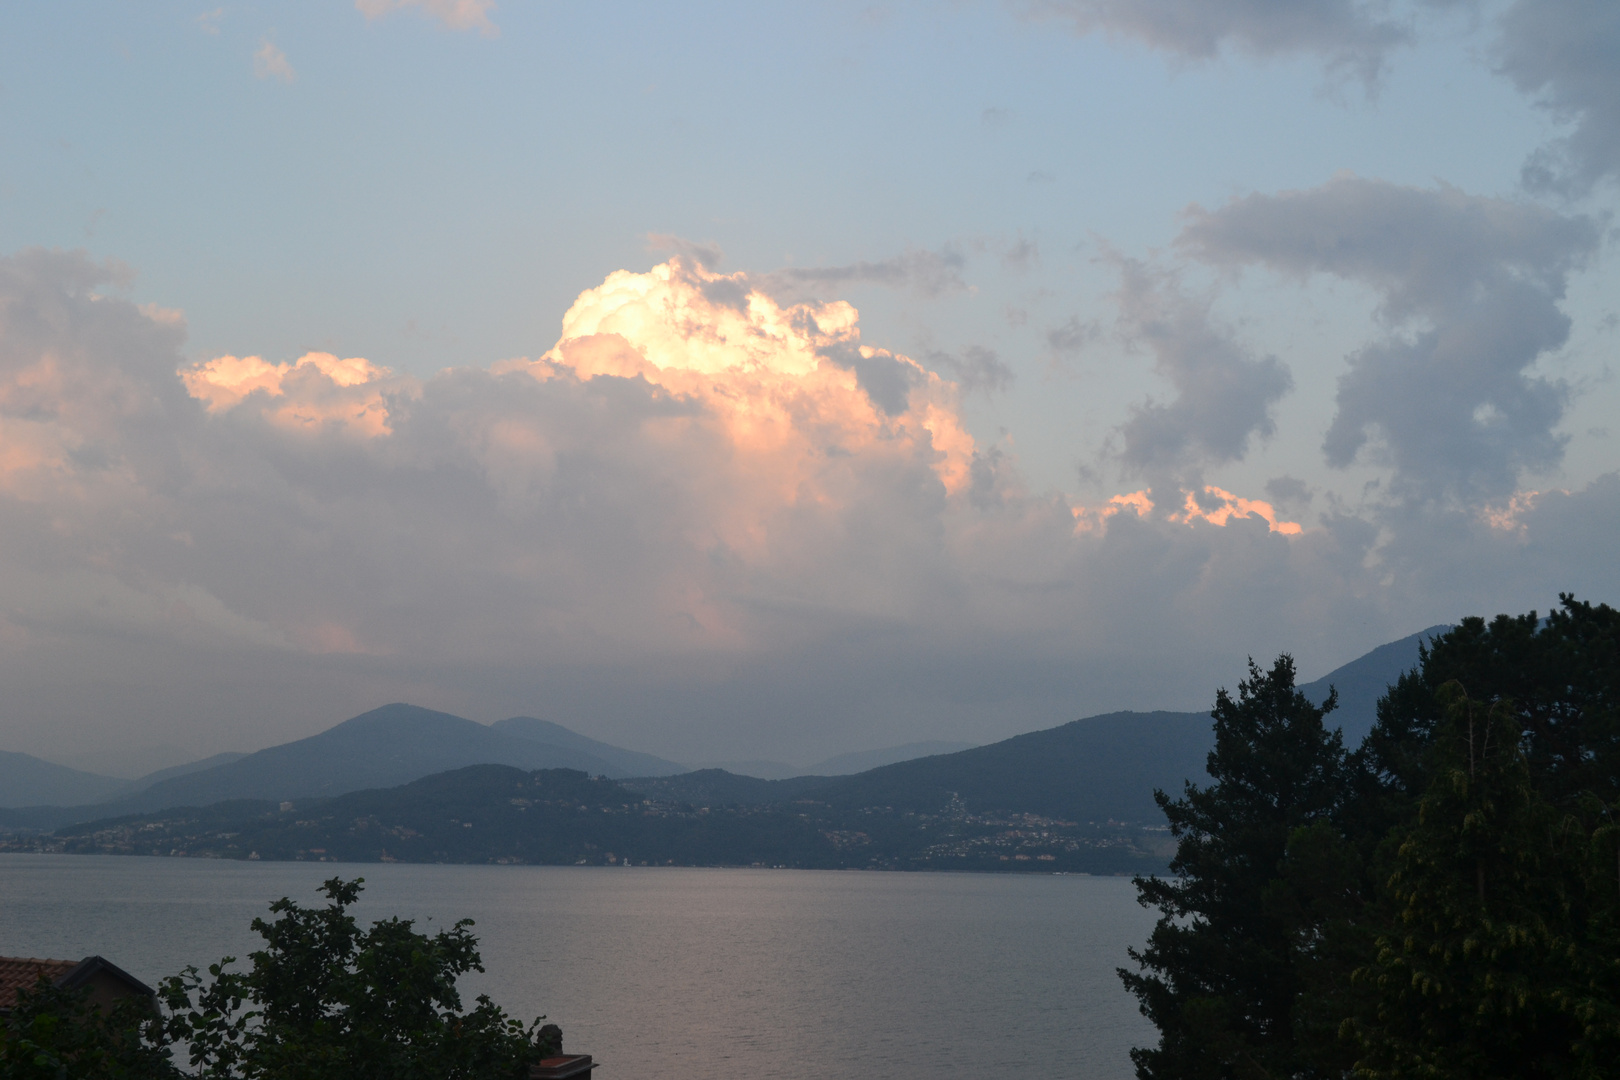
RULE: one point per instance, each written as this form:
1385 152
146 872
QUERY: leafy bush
323 1000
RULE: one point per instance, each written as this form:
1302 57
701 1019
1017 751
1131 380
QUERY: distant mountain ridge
1089 770
1101 765
1362 682
385 747
26 780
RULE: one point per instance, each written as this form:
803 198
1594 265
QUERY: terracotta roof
22 972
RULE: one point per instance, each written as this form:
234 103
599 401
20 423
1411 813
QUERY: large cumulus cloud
703 522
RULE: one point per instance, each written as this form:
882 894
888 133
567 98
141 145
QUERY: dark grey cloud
1224 393
1469 290
1351 36
1290 490
886 379
1567 54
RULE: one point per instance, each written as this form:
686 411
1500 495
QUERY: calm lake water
678 973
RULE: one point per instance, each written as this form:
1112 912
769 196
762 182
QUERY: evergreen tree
1222 972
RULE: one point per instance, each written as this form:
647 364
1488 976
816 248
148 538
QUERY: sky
737 380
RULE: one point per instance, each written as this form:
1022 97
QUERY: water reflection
676 973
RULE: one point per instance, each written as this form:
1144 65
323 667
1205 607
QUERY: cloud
705 517
269 62
1563 52
1469 289
1224 395
707 255
1351 36
317 391
976 370
929 272
1289 489
208 22
453 14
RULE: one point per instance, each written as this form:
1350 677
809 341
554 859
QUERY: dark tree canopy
323 1000
1442 902
1221 972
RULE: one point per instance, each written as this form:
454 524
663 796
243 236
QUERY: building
105 981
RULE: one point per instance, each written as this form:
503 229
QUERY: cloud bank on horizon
697 487
727 513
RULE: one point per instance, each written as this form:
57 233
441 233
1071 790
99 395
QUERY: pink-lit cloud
700 510
1217 507
316 391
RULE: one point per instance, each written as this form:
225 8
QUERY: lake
674 973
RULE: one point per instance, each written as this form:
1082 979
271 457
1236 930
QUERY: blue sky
1042 202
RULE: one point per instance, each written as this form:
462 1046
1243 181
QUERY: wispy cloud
929 272
269 62
707 255
453 14
1351 36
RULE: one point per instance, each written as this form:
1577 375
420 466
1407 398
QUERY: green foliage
1446 900
323 1000
56 1034
1491 967
326 999
1222 968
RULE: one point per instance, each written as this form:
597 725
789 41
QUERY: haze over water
676 972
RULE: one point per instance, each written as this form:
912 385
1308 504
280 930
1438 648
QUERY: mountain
619 762
189 767
26 780
861 760
1093 770
840 765
755 768
382 748
1363 681
1096 769
560 817
1090 770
